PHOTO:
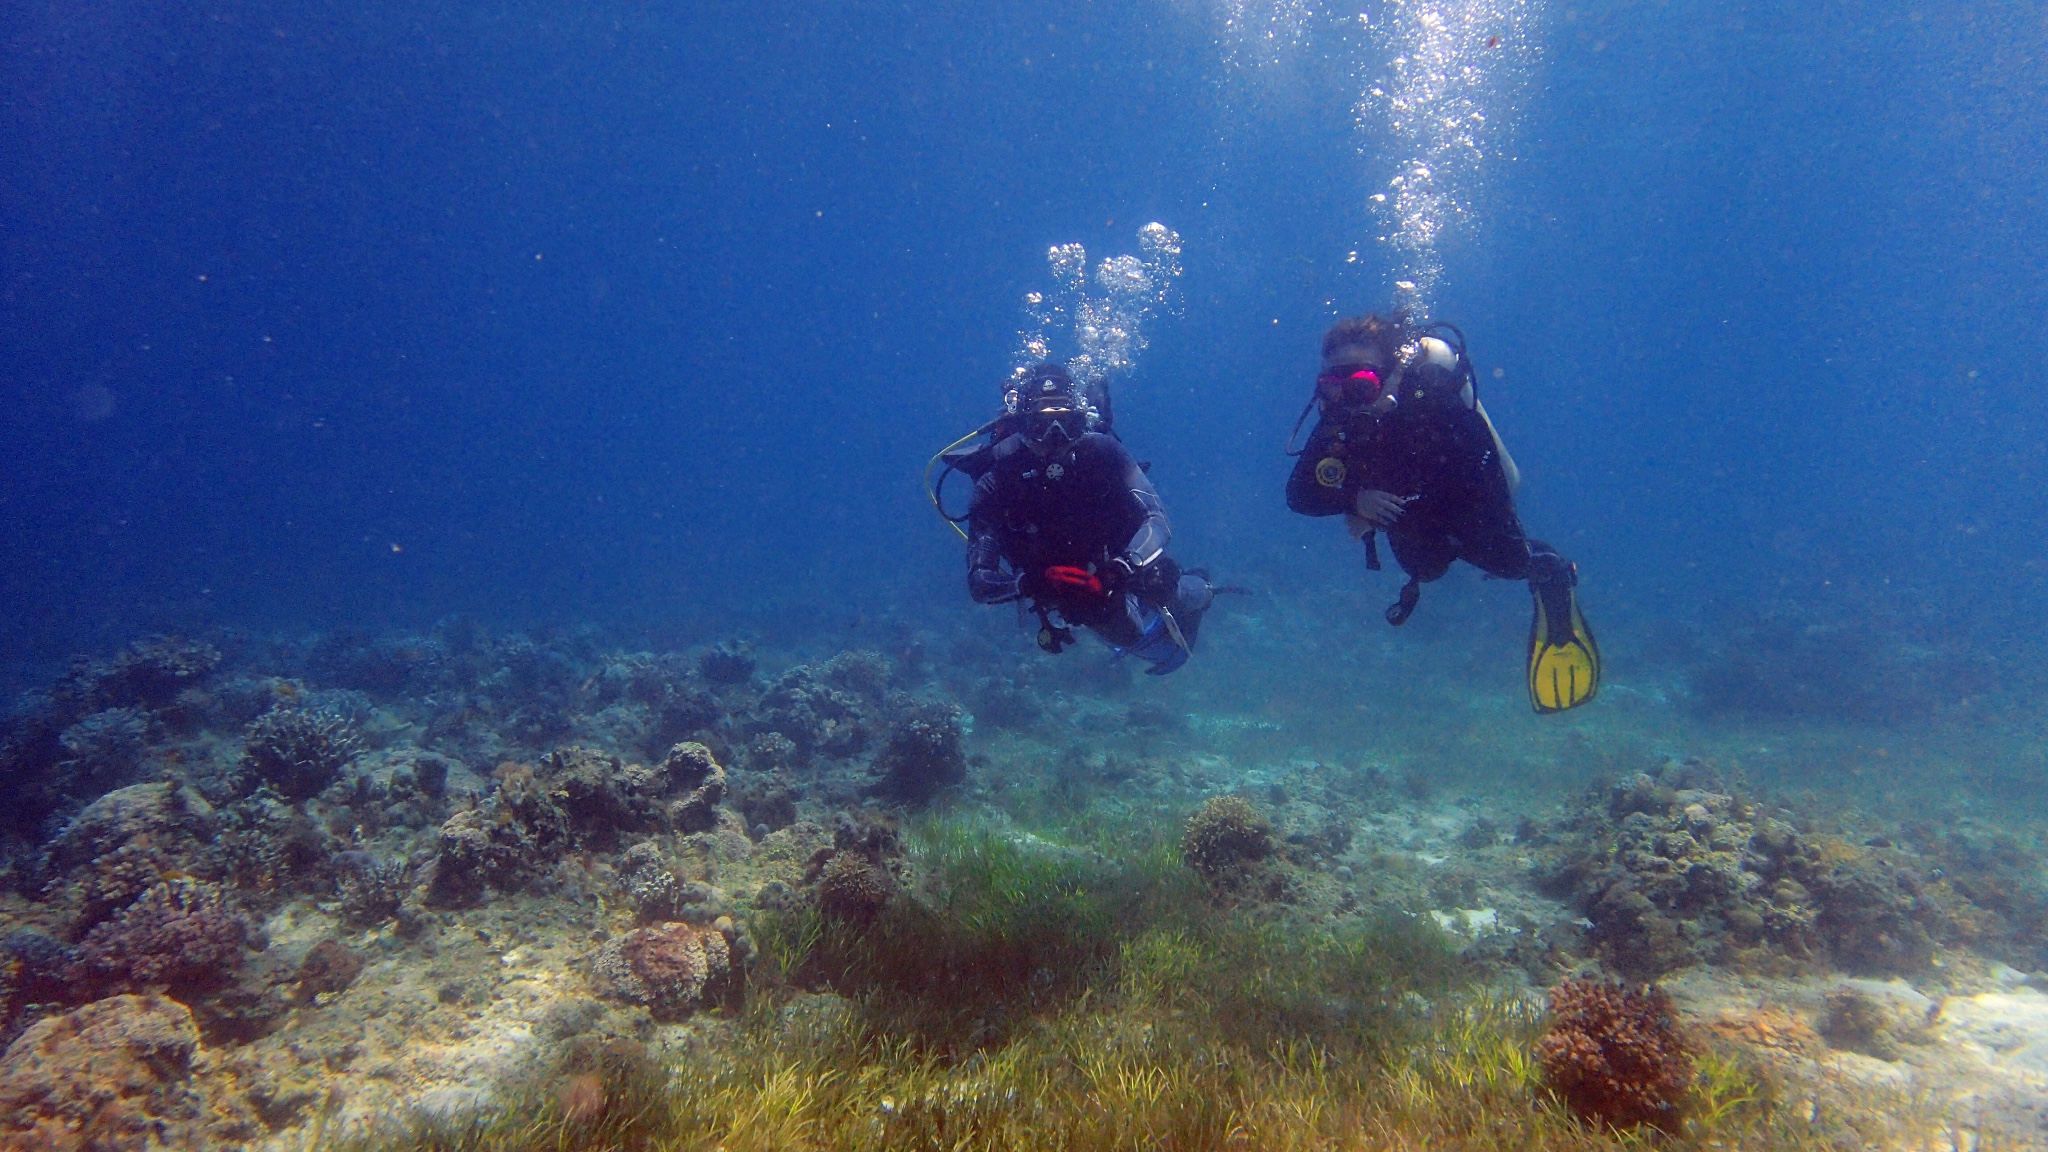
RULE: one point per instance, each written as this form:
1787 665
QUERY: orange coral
1615 1054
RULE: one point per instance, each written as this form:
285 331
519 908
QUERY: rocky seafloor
256 889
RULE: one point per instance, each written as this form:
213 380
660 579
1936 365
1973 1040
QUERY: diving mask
1348 385
1055 423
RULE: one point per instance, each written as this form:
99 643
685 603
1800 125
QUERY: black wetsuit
1079 508
1441 456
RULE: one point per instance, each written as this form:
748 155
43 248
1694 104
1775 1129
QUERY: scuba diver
1063 518
1403 446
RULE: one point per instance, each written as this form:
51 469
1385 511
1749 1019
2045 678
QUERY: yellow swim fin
1564 660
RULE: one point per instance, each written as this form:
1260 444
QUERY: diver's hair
1384 334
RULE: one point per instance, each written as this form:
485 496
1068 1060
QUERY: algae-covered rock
116 1075
670 968
1225 838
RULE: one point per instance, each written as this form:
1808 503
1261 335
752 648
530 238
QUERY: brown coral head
1225 836
671 968
854 888
1615 1055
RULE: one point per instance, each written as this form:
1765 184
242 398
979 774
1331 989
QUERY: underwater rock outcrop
117 1075
924 754
1672 877
576 799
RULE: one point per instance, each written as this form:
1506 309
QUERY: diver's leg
1491 539
1116 627
1191 600
1424 557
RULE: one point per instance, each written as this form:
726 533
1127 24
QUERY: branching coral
181 934
299 752
372 890
1615 1054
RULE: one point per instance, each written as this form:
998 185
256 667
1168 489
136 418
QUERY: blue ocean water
649 316
473 623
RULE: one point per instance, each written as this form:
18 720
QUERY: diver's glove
1380 509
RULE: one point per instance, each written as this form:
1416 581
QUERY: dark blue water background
649 314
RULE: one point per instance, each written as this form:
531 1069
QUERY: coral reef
151 672
853 887
816 717
299 751
923 755
372 891
575 799
1678 876
182 935
728 662
105 749
360 912
671 968
1615 1054
1224 838
500 846
165 816
697 785
651 885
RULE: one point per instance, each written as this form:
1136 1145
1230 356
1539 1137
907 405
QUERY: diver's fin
1564 659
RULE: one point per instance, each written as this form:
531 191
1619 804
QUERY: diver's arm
1306 493
1154 532
986 580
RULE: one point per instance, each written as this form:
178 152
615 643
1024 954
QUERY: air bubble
1107 326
